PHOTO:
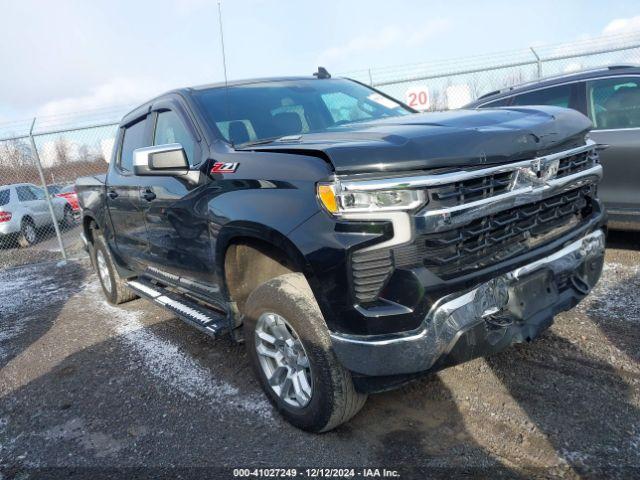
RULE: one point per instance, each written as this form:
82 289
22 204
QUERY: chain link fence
41 159
39 212
454 83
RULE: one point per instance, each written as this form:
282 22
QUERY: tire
113 285
28 233
333 398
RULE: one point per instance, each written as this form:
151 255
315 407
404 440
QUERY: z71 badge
220 167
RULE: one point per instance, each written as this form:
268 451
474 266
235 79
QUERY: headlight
339 202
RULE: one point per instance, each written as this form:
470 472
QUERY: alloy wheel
283 360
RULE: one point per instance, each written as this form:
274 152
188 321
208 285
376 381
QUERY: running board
206 320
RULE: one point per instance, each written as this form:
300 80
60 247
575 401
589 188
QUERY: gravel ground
85 387
45 249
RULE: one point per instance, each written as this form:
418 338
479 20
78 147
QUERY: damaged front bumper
514 307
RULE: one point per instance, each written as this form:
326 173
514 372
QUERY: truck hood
440 139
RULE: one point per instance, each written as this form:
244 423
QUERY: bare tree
15 153
84 155
474 87
16 162
514 77
62 149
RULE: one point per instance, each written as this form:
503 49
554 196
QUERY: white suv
24 209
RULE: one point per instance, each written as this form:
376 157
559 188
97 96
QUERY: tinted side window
5 196
559 96
134 137
25 194
170 129
38 193
614 102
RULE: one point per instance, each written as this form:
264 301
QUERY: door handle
148 194
112 194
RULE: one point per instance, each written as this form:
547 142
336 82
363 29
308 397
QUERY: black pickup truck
350 242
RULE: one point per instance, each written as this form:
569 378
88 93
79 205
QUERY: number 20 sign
417 97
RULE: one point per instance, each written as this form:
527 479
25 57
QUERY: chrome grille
471 190
576 163
493 238
477 217
495 183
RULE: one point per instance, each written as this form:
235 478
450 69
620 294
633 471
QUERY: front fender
256 231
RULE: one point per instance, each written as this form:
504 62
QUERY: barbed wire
450 66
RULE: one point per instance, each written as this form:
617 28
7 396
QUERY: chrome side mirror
166 160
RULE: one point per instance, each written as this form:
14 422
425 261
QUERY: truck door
175 210
123 195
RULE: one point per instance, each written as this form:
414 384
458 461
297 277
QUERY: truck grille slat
459 193
471 190
370 272
494 238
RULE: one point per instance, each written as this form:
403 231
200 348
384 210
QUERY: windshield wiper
263 141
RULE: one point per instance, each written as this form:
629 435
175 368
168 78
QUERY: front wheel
289 346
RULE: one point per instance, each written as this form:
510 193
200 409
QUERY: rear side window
133 137
559 96
5 196
25 194
614 103
38 193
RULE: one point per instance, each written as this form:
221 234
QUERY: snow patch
25 291
168 363
35 285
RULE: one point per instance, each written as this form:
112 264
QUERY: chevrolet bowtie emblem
537 174
549 170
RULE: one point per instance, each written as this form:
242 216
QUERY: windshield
270 110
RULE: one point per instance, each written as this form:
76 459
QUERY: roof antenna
224 66
322 73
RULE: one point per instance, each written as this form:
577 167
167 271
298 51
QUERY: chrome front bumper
462 326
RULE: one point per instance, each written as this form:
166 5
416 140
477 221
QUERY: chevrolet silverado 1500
350 242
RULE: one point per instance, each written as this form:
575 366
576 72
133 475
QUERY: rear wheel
28 233
113 285
289 346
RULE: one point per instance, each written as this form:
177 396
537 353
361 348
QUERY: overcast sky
74 55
